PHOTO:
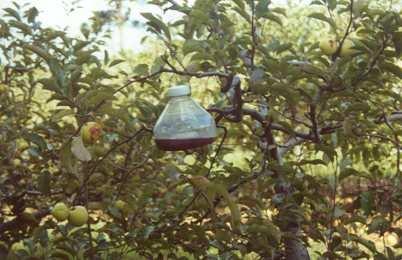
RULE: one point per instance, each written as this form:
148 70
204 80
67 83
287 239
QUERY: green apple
60 211
3 88
120 204
328 46
91 132
16 162
78 216
347 48
17 246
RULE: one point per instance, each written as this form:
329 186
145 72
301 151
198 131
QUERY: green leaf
59 114
20 25
106 57
240 4
141 69
348 172
61 254
379 224
331 4
79 150
397 40
157 65
39 51
44 182
116 62
394 69
316 2
94 97
328 151
13 13
147 231
359 107
274 18
242 13
31 14
261 8
279 10
192 46
36 139
234 209
314 162
157 24
367 243
50 84
323 18
67 159
54 65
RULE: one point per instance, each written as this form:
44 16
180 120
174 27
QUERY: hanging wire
218 149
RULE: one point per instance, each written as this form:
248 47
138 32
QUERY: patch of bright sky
55 13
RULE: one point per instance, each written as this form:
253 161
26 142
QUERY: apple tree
307 98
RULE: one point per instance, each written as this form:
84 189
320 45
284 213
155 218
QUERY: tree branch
294 141
338 50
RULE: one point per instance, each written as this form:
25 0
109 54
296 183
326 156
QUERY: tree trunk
294 247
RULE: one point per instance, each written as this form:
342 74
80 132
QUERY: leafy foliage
318 138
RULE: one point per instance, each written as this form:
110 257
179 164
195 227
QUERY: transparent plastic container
183 124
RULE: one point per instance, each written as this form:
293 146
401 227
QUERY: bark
294 247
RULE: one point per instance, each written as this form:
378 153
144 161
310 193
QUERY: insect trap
183 124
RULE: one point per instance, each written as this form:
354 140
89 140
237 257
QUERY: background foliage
310 152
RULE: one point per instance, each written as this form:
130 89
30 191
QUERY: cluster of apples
77 216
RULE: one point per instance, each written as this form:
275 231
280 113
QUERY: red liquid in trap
182 144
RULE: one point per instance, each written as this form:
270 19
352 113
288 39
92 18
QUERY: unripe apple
28 215
120 204
328 46
60 211
78 216
3 88
391 239
18 246
91 132
347 48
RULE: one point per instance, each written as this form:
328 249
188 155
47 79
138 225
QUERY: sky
55 13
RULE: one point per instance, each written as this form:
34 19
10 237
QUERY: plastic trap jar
183 124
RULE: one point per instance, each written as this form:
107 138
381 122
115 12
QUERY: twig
372 63
97 163
338 51
333 199
213 161
253 34
313 119
290 144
